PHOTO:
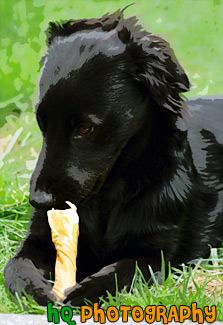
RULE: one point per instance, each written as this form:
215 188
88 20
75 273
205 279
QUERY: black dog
143 166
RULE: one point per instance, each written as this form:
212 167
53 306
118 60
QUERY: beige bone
64 226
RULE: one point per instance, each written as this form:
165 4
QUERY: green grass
175 290
181 287
193 29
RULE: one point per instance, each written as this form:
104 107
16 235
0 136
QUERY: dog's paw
76 295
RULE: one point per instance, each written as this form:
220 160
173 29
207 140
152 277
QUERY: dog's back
202 123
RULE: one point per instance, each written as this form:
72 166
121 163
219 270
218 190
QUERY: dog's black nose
41 200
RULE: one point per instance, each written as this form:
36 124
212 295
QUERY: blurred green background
192 27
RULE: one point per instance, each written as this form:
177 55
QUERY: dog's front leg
97 285
23 277
30 270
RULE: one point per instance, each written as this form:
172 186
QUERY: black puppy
143 166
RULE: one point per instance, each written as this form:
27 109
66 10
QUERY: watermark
149 314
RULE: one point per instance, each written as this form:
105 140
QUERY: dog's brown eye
84 129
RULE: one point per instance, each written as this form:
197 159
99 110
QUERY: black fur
146 176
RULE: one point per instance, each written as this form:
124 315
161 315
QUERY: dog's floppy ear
159 69
156 65
162 73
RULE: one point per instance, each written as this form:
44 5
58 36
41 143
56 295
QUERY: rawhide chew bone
64 226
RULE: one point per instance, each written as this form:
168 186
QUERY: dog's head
98 82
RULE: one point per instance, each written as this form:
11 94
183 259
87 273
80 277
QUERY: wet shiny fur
143 166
